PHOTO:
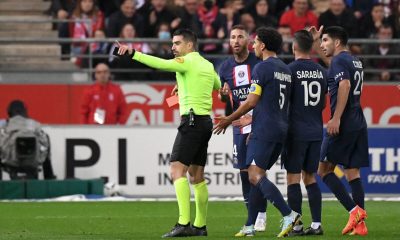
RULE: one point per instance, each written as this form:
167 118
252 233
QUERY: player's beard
239 49
241 53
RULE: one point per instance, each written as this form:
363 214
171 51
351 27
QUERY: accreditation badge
99 116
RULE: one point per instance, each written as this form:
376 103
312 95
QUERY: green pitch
149 220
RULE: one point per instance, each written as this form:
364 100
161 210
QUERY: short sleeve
339 71
258 76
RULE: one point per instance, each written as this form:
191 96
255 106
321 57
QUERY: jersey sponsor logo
283 77
179 60
339 75
241 75
309 74
241 93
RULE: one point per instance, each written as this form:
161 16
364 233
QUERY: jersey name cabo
272 82
238 77
345 66
309 86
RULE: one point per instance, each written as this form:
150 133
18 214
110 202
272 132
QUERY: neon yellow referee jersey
195 76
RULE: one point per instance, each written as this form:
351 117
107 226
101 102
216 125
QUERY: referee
196 79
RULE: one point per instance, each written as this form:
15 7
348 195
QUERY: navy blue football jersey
272 82
345 66
307 100
238 77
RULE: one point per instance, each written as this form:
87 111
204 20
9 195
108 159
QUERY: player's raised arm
178 64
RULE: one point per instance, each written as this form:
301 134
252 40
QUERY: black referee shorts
191 142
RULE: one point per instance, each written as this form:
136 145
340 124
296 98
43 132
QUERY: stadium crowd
213 19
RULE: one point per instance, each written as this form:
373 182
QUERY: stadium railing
8 58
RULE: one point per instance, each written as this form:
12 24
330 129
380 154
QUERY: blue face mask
164 35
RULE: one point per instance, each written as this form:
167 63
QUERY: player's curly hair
270 37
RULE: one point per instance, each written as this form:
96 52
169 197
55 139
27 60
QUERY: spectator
18 119
128 33
140 3
299 17
213 24
62 10
177 3
109 7
360 8
388 5
370 24
383 64
156 12
87 18
394 19
99 50
279 7
231 13
188 17
262 16
338 15
162 50
286 49
247 20
275 7
103 102
126 14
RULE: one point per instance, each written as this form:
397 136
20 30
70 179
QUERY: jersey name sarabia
272 82
345 66
309 86
238 77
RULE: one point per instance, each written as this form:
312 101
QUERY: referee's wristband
132 54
